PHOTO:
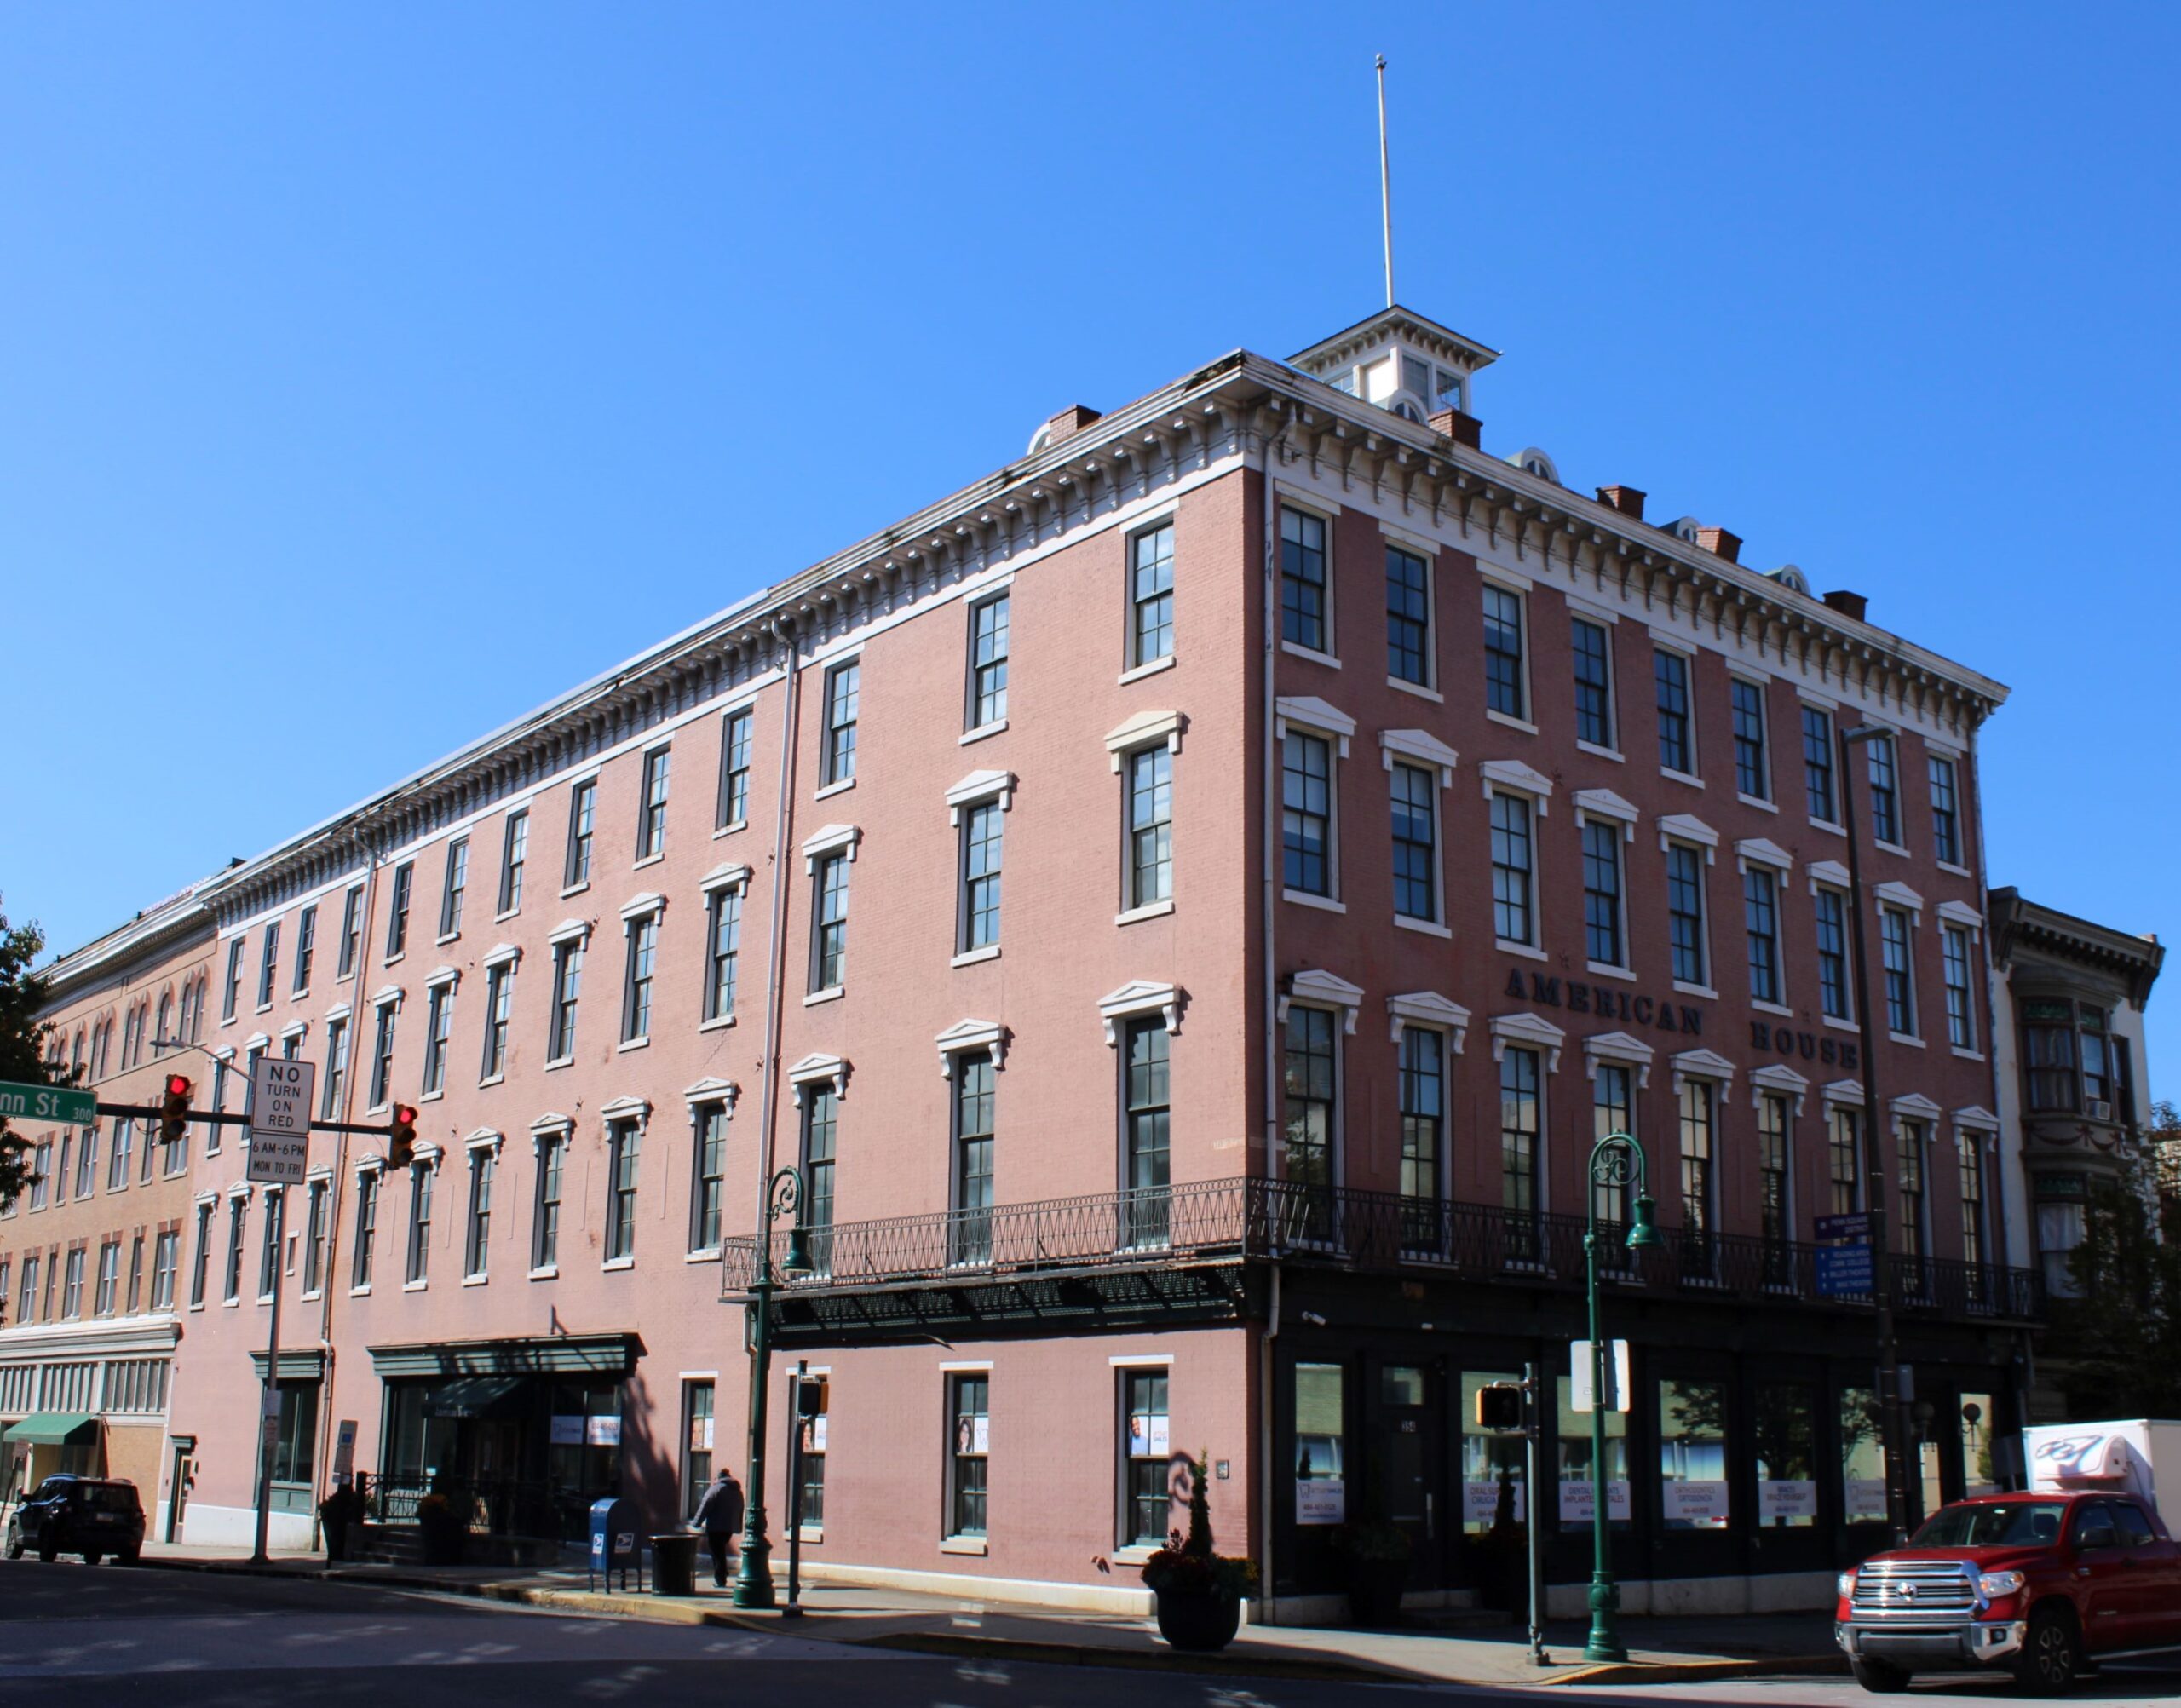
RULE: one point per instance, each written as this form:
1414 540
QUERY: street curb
1132 1660
1617 1672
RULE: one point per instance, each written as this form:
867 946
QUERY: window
1514 919
1699 1199
1309 1081
1843 1160
238 1213
267 967
397 918
477 1239
439 1022
352 930
1150 827
1416 852
636 986
698 1405
1970 1148
1613 1110
499 1003
829 933
708 1176
268 1254
166 1258
1147 1453
1772 1168
988 662
567 987
87 1157
1319 1427
1886 790
973 1158
514 851
1504 688
456 882
317 1202
843 689
1408 618
1946 812
1601 893
1760 906
972 1407
1752 769
651 812
422 1176
1960 1015
1676 745
733 807
1893 931
1151 597
623 1141
1913 1186
71 1286
109 1279
306 947
1593 684
583 818
1306 813
1833 954
723 941
981 829
545 1212
1694 1492
198 1272
1521 1126
1303 620
230 994
1685 912
252 1057
1147 1131
383 1057
296 1436
2097 1077
41 1180
26 1306
820 1116
1422 1137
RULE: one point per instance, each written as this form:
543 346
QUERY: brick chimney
1848 604
1721 543
1463 429
1068 422
1625 499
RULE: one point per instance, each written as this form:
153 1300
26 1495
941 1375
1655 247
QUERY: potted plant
1200 1592
341 1511
443 1530
1374 1556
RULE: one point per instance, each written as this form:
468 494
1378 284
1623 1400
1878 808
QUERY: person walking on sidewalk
719 1515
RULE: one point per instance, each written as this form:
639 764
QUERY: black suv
86 1515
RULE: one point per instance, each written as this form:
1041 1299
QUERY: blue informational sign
1844 1270
1855 1225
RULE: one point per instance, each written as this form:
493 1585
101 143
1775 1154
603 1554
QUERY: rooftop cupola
1400 361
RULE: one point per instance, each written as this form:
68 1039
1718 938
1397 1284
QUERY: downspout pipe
1268 888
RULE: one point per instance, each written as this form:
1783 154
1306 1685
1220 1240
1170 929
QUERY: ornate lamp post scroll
1616 1160
753 1579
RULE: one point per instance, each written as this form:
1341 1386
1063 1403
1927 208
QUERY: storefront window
1321 1479
1862 1458
1492 1465
1786 1456
298 1436
1693 1455
1978 1473
1577 1497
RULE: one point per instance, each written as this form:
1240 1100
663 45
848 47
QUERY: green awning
56 1429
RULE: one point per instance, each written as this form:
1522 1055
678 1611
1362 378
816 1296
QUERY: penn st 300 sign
279 1119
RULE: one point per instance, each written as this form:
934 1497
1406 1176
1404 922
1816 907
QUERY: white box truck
2139 1455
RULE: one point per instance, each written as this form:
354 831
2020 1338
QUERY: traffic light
401 1137
173 1111
1499 1407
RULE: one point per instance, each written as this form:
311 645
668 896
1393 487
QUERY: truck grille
1912 1588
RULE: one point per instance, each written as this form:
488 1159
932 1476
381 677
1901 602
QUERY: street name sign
20 1102
279 1119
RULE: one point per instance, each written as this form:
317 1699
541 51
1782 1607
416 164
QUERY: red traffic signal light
174 1110
401 1137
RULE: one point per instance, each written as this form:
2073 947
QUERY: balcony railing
1251 1217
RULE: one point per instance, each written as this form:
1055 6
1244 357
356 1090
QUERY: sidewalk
1661 1650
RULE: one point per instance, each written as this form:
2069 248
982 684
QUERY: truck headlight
1996 1584
1845 1584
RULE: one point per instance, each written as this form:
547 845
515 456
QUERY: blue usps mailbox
612 1539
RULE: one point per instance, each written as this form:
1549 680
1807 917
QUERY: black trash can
674 1564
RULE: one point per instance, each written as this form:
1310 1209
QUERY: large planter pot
1374 1588
1198 1621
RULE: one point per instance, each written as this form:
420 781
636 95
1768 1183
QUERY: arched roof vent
1791 578
1533 460
1687 528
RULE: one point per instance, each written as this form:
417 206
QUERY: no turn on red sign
279 1119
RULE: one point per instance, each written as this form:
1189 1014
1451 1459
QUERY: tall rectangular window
1894 938
1946 812
71 1286
1146 1459
439 1023
1309 1080
27 1305
109 1279
973 1159
636 983
1408 618
1151 596
1970 1160
988 662
306 948
1521 1128
1843 1160
383 1057
1504 689
698 1405
623 1139
199 1270
1602 892
1886 790
1593 683
1677 741
829 934
651 811
87 1163
397 911
1960 1014
567 989
514 852
1698 1198
1832 955
230 990
166 1259
269 1256
844 686
545 1207
982 823
352 931
1303 580
708 1177
1306 813
1613 1110
1772 1208
238 1215
499 1005
268 966
477 1239
1760 907
582 821
1423 1135
733 807
1817 766
722 949
317 1200
820 1123
972 1407
1416 838
1150 827
422 1178
1514 918
457 885
1752 766
1685 912
1914 1189
1147 1120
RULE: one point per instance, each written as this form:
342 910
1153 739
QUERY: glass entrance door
1411 1466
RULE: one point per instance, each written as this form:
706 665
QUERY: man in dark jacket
719 1515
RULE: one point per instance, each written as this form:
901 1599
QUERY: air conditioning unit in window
2097 1109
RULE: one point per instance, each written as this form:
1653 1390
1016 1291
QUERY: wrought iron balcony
1254 1219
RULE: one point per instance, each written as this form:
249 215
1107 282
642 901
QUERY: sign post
279 1147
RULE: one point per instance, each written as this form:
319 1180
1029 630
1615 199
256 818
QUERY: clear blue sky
446 356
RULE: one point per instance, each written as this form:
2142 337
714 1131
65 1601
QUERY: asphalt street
71 1634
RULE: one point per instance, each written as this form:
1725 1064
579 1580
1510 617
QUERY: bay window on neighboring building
1151 596
1677 735
1303 620
1408 618
1593 684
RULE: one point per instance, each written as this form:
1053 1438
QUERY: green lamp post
753 1579
1615 1160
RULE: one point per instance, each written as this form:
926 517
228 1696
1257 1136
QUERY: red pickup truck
2042 1585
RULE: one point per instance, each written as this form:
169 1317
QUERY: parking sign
279 1119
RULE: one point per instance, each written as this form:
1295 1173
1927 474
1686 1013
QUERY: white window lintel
1533 1030
979 787
1622 1047
966 1037
1428 1008
1145 730
1511 776
832 839
1421 745
1141 997
1315 988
